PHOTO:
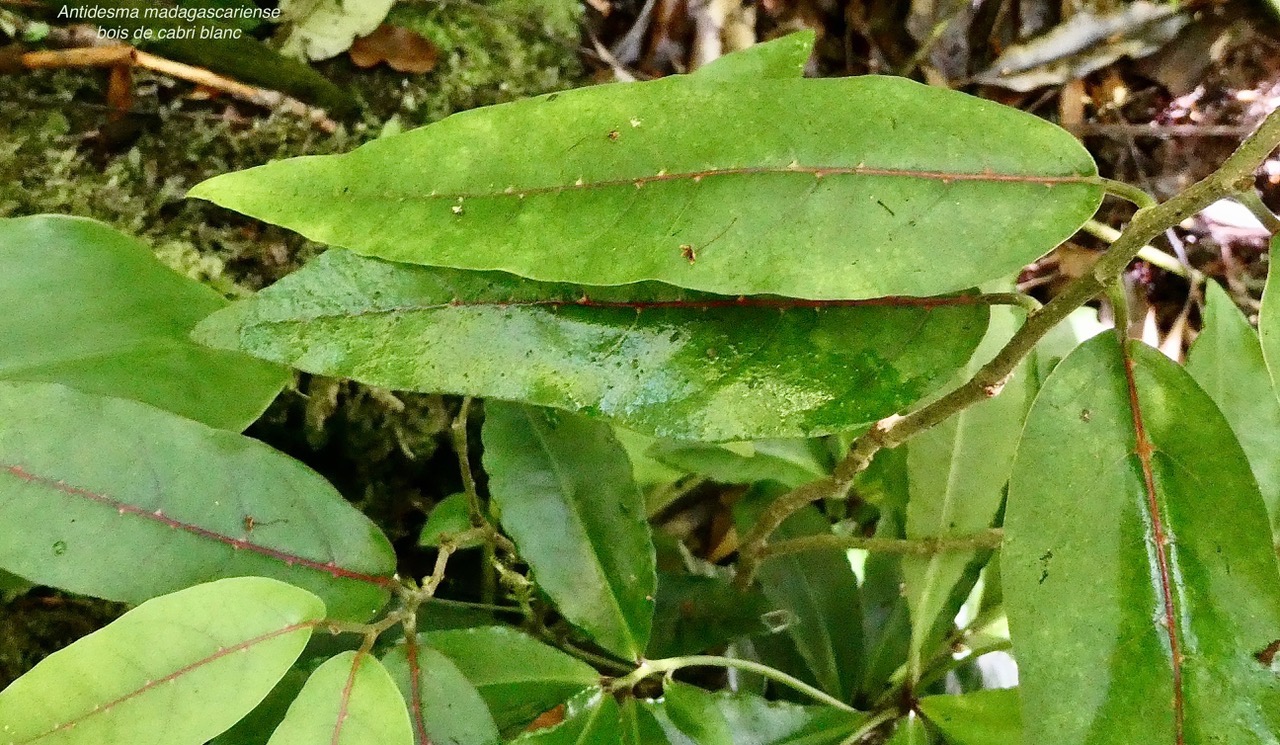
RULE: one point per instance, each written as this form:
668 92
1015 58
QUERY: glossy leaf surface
1226 360
562 485
349 700
752 720
1118 513
656 359
445 707
176 670
694 712
615 184
117 499
517 676
85 305
789 462
956 475
990 717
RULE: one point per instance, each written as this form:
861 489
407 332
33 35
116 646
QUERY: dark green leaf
178 669
781 58
444 705
694 614
818 595
114 498
641 725
591 717
689 366
349 700
563 488
752 720
1130 503
84 305
886 616
518 677
1226 360
956 481
615 184
909 730
988 717
694 712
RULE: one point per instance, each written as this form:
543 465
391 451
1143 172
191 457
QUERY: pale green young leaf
562 485
1088 508
449 518
349 700
991 717
176 670
956 475
444 705
517 676
615 184
658 360
85 305
118 499
1226 360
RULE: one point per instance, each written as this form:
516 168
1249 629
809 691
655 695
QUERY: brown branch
984 540
1233 177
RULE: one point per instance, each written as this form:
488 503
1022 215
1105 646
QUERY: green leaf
591 717
349 700
694 613
517 676
562 485
449 518
694 713
818 593
909 730
641 725
116 499
256 727
1226 360
780 58
84 305
445 706
989 717
789 462
178 669
956 476
615 184
752 720
689 366
885 612
1130 495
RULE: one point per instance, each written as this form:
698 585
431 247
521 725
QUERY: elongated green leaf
909 730
789 462
256 727
176 670
956 475
885 612
562 485
84 305
1226 360
781 58
756 194
818 594
694 367
980 718
1131 503
752 720
591 717
694 713
640 725
517 676
117 499
445 707
349 700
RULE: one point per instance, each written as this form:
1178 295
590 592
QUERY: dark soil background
1159 121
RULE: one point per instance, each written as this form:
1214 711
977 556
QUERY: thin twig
1233 177
983 540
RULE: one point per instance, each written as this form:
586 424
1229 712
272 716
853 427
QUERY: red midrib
175 675
1144 450
344 703
331 568
415 689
